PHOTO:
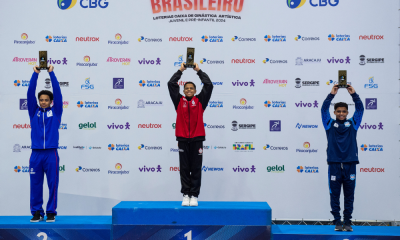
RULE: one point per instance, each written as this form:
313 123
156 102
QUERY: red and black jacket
189 120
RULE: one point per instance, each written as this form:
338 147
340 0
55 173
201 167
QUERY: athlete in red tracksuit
189 131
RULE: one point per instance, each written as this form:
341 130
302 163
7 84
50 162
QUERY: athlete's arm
358 114
58 102
326 116
32 102
173 86
205 94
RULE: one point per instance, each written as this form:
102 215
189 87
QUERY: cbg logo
321 3
68 4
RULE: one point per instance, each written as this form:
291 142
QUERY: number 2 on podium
189 235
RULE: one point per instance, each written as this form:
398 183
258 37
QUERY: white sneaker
186 201
193 202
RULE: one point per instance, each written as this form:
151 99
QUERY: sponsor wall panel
265 140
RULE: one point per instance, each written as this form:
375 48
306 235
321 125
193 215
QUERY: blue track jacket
44 122
342 135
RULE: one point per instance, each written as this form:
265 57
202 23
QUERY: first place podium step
210 220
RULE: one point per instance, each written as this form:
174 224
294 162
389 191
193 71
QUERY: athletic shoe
51 217
338 227
186 201
193 202
347 228
37 217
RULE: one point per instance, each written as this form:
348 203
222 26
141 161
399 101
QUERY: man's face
341 113
44 101
189 90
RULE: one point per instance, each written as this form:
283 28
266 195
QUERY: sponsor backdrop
272 64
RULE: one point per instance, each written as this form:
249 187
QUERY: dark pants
42 162
342 174
190 163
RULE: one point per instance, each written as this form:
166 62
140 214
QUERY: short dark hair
341 104
46 92
189 83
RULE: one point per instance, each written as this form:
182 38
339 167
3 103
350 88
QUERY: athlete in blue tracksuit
45 122
342 154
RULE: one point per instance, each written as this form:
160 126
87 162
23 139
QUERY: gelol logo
275 126
119 126
274 38
372 169
299 126
55 38
124 61
86 104
87 85
241 84
22 126
30 61
211 61
212 169
240 39
151 125
371 147
23 104
118 103
371 83
61 169
338 37
211 38
307 169
86 63
302 38
306 146
181 39
239 169
118 83
276 169
216 104
243 147
172 6
150 169
275 104
333 60
272 61
118 37
66 4
295 3
87 39
144 61
118 167
243 103
273 148
23 83
373 127
281 83
371 37
149 83
87 126
371 103
301 104
24 38
118 147
142 146
149 39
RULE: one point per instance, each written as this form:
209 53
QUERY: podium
210 220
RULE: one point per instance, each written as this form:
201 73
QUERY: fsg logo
68 4
315 3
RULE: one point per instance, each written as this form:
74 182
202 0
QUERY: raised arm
358 114
173 87
32 102
205 94
58 102
326 116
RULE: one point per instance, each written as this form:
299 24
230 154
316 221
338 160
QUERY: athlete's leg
36 175
51 168
349 185
184 167
335 186
196 159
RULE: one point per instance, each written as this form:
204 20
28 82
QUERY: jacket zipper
189 116
44 132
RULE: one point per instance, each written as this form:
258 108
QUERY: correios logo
68 4
211 5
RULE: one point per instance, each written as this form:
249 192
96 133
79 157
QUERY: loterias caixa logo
68 4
